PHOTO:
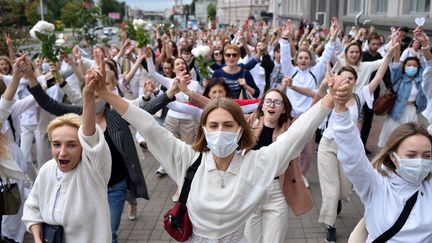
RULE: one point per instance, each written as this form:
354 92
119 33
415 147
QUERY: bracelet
425 47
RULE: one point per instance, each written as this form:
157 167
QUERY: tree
211 11
68 14
31 12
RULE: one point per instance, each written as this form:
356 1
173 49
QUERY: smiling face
303 60
273 107
179 66
231 57
65 147
413 147
353 55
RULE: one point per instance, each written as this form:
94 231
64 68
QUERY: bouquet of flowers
141 31
50 46
201 54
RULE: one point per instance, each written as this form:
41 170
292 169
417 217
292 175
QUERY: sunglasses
231 55
276 103
217 53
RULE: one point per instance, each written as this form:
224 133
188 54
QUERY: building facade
383 14
237 11
201 9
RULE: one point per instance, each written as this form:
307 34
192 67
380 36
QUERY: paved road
149 228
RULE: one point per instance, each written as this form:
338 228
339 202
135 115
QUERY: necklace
222 183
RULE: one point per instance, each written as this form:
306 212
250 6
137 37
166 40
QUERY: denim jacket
403 88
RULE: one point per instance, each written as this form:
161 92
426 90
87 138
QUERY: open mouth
63 161
271 112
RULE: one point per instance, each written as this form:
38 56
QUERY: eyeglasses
231 55
216 53
276 103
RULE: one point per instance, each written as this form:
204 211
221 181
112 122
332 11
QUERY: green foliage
32 15
68 14
142 38
129 28
211 11
202 64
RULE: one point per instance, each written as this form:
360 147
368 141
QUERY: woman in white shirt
334 183
227 185
400 170
70 189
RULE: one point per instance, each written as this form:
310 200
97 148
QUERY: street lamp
41 9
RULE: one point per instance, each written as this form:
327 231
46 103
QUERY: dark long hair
284 117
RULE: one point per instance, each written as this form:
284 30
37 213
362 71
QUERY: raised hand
286 31
334 28
8 40
421 36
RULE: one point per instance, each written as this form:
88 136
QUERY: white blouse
217 211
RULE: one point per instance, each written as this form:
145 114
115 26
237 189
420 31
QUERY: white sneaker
306 182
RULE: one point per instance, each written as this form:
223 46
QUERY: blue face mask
411 71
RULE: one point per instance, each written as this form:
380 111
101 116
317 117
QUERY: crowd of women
274 93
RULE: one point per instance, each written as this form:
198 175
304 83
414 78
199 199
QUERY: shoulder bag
383 105
176 220
52 233
10 198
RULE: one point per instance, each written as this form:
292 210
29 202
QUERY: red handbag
176 220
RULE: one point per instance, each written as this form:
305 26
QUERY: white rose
134 22
60 42
138 23
42 27
201 51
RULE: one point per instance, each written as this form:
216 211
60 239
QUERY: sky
153 5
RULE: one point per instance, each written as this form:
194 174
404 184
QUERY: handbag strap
190 173
393 84
400 222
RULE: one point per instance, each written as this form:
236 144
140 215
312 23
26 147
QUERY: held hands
149 88
286 82
341 91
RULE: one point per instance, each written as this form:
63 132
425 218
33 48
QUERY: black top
265 139
118 169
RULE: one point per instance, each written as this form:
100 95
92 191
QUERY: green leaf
40 36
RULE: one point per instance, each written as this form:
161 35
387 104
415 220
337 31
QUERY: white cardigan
383 197
85 213
214 211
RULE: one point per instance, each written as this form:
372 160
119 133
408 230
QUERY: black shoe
339 207
330 234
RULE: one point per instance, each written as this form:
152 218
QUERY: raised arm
285 51
394 47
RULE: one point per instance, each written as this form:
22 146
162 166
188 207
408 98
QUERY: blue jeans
116 201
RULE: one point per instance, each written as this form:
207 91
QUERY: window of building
354 6
419 6
381 6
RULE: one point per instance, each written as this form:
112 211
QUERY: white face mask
100 106
413 170
221 143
